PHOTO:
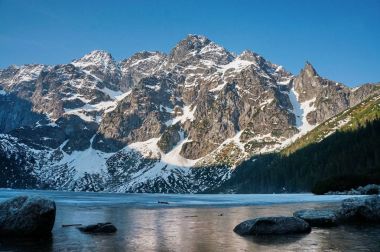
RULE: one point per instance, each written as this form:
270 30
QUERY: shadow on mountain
16 112
121 168
351 153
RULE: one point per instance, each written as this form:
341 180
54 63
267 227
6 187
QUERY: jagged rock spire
309 70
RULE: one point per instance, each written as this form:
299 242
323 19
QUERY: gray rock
369 189
360 209
350 192
318 218
139 116
139 66
331 97
363 92
27 216
99 228
273 226
169 138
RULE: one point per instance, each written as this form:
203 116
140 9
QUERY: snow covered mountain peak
145 123
194 41
96 57
101 65
196 47
249 55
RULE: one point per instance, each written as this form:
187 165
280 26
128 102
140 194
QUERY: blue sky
340 38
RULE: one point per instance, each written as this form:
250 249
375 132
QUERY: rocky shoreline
370 189
357 209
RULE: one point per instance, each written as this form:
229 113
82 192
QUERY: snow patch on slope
297 109
307 107
88 161
234 66
149 149
104 106
153 58
174 157
187 114
300 110
171 164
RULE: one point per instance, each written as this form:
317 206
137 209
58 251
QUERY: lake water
187 223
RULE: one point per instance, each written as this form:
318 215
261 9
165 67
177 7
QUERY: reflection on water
191 229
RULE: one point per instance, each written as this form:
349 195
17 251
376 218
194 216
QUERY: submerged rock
163 202
318 218
99 228
272 226
27 216
360 209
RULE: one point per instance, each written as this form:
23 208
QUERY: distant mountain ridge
159 123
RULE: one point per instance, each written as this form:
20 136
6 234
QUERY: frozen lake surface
187 223
174 200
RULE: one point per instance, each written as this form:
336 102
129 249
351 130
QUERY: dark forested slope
342 155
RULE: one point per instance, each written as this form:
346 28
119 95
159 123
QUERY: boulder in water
99 228
360 209
273 226
27 216
318 218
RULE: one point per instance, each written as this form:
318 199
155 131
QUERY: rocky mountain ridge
160 123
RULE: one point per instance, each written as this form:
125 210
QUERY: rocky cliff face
161 123
328 97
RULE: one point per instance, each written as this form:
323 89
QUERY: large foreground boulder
273 226
27 216
360 209
318 218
